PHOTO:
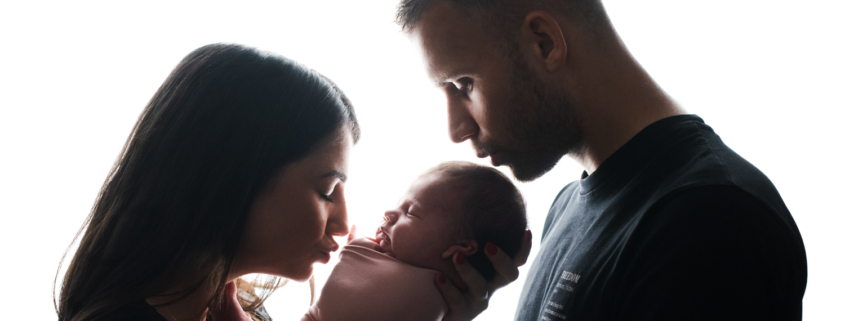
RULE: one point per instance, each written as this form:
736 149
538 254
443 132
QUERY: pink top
369 285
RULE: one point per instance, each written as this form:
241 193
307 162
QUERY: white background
74 76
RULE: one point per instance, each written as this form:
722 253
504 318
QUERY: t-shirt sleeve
711 253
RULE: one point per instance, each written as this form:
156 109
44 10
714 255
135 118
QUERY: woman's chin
300 273
301 276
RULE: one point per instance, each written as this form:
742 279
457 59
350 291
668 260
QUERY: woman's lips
324 257
325 254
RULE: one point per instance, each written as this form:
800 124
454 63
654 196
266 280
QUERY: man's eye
463 85
326 198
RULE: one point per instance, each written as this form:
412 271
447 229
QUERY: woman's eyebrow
337 174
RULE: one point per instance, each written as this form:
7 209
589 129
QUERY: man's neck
618 99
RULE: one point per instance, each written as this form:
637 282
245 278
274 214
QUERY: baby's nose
389 217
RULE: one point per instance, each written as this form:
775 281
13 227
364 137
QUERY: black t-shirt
673 226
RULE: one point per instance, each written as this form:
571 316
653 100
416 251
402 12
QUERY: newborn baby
455 207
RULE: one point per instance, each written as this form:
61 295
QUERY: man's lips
496 159
495 156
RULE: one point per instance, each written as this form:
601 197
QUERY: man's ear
546 39
467 247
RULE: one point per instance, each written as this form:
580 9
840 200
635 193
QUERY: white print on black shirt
563 289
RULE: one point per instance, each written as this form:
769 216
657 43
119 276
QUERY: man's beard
543 123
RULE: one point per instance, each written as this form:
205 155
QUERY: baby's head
455 207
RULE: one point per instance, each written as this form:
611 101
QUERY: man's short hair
492 209
506 13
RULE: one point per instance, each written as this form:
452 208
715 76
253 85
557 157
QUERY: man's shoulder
714 202
701 169
722 214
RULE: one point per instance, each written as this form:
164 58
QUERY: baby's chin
385 247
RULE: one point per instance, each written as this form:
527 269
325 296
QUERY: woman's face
291 224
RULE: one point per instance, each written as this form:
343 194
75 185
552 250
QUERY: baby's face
424 225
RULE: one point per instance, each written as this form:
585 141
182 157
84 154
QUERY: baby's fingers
352 232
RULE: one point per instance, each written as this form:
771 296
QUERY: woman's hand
467 305
230 310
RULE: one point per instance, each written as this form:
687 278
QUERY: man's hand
467 305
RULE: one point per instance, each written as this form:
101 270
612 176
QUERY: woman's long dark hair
171 212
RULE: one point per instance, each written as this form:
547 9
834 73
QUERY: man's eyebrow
337 174
445 78
441 81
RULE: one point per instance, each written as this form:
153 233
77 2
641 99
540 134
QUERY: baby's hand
376 239
350 239
368 242
365 242
352 232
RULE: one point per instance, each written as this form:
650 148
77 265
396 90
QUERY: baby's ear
467 247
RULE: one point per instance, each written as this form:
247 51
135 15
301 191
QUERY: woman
236 166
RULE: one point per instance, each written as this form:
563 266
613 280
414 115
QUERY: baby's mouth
383 237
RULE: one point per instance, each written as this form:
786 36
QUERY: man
667 223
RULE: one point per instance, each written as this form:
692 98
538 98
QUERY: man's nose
461 124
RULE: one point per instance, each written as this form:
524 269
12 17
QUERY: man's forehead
450 43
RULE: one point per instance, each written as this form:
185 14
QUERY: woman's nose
338 225
340 229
